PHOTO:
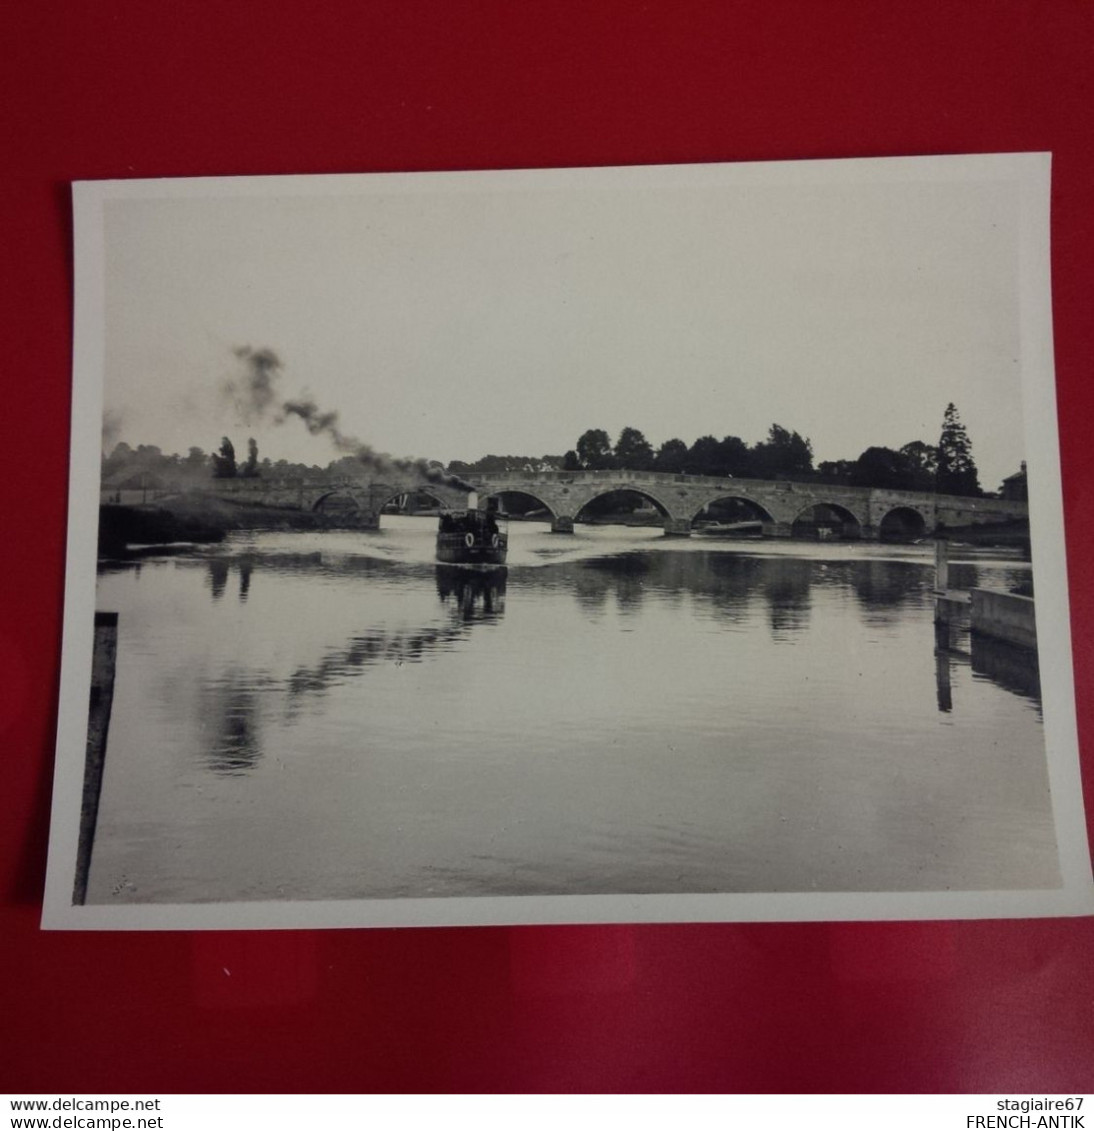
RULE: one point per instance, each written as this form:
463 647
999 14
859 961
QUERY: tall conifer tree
956 472
224 461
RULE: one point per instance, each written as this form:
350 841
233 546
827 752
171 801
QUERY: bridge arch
551 514
365 504
902 524
386 496
825 521
732 507
339 502
623 489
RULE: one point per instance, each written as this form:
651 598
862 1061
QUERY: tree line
947 467
151 462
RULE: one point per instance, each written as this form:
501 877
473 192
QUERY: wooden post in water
942 672
103 660
941 565
951 606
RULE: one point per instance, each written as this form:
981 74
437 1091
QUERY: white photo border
1031 171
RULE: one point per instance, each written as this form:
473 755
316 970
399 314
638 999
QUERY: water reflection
733 583
786 589
885 588
471 597
230 708
590 589
472 594
692 719
726 583
375 646
1008 666
729 583
218 569
944 654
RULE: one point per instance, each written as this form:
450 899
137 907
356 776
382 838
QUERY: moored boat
471 537
747 528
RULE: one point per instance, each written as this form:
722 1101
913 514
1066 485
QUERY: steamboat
471 537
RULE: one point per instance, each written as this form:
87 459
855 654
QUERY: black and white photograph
673 543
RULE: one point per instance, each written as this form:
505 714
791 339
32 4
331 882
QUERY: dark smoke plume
255 395
320 423
254 392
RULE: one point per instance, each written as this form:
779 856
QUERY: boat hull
461 555
453 549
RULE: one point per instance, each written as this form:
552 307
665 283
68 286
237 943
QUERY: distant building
1015 488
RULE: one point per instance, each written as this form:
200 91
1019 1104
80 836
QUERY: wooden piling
941 565
104 656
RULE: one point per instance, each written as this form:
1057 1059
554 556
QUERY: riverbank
1014 534
195 518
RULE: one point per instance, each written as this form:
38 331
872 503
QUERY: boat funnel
472 500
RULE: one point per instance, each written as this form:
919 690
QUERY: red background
128 88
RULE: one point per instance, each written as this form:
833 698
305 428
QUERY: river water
333 716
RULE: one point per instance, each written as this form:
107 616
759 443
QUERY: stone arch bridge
861 512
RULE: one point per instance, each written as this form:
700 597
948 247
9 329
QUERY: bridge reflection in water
678 719
729 582
231 704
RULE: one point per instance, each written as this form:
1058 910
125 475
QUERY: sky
455 315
